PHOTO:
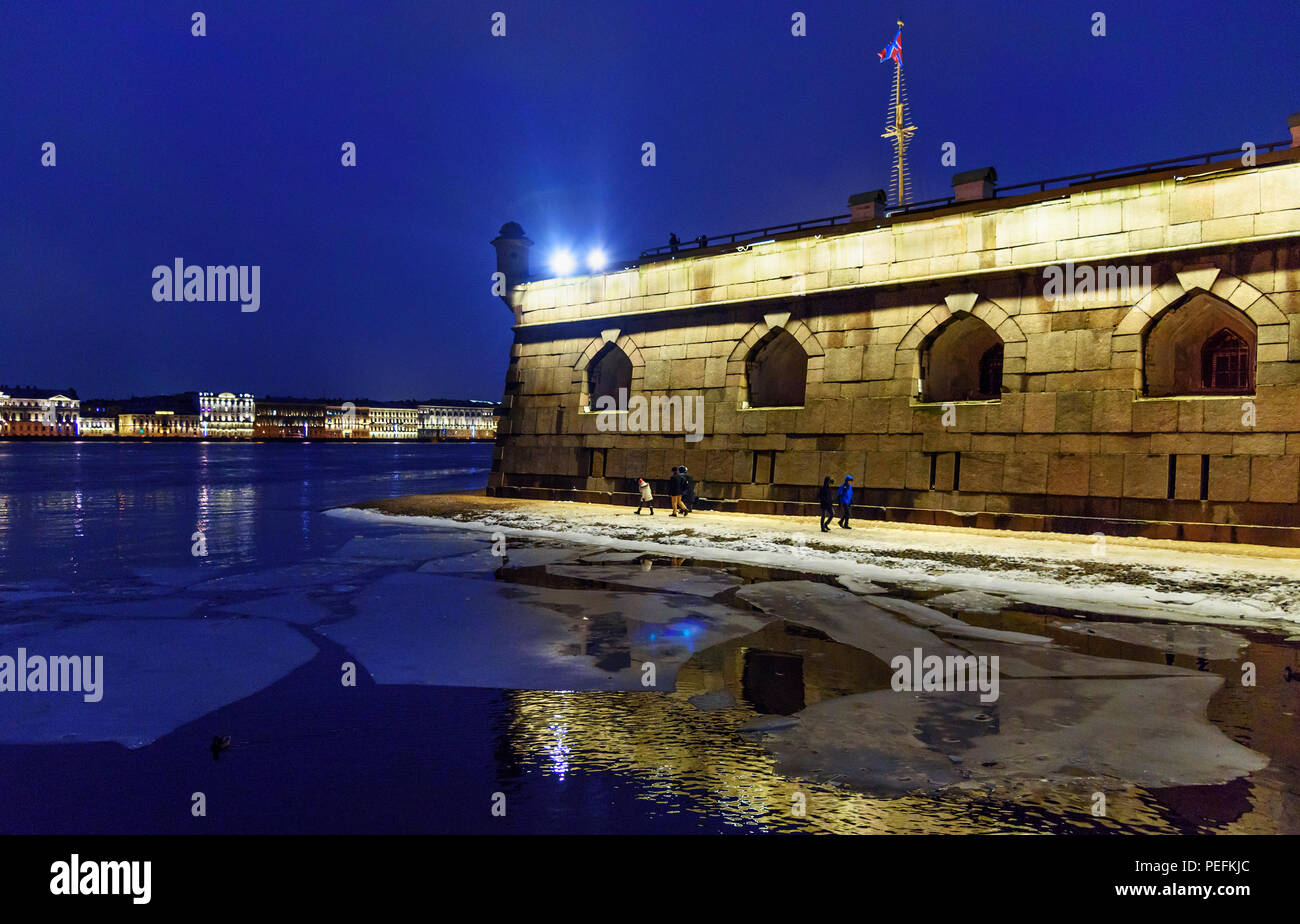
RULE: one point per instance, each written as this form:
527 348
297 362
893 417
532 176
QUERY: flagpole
897 128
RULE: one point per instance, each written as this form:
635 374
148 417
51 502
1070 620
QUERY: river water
225 601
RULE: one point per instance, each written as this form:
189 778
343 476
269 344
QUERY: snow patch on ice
158 674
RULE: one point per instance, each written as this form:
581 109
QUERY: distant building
160 417
290 418
29 411
159 424
225 415
346 421
394 422
465 420
99 417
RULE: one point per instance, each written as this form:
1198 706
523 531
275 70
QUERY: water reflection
689 744
90 512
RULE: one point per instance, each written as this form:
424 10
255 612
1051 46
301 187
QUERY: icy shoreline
1237 586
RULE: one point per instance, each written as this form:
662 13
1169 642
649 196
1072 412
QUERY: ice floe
971 601
860 585
412 547
306 574
1172 638
700 582
455 631
1146 731
158 674
294 607
944 624
843 617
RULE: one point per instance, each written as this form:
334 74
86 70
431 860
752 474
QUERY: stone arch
958 358
1199 344
961 308
776 371
779 320
612 338
1257 306
608 374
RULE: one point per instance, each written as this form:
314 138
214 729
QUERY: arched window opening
609 371
1200 345
1225 363
777 371
962 361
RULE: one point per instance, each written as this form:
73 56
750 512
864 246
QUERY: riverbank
1205 582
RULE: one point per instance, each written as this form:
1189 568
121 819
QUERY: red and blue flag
894 50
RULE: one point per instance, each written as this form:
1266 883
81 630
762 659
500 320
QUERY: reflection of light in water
682 632
304 498
226 515
79 517
558 749
204 504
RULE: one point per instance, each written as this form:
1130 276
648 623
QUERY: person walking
647 498
846 501
675 490
688 490
826 498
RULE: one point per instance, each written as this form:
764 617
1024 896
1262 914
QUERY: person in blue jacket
846 501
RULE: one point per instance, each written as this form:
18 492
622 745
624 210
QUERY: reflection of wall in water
773 681
826 670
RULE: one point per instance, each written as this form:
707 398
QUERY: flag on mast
894 50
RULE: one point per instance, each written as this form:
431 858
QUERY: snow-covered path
1232 584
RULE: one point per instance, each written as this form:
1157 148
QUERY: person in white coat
647 498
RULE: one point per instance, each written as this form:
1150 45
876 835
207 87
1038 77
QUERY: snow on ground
1233 584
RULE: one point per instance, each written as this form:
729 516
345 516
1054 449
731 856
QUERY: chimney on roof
512 260
867 205
974 184
1293 121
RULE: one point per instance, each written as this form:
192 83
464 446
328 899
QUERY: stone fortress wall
937 370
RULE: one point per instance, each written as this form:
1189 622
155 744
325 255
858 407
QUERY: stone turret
512 260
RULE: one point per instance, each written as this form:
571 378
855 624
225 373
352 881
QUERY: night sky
375 279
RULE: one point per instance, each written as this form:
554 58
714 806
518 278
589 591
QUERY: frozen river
382 676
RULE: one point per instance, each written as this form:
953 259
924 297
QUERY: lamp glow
563 262
596 259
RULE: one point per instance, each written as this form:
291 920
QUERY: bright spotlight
596 259
562 263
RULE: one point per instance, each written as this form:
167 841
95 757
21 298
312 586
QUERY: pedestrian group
681 494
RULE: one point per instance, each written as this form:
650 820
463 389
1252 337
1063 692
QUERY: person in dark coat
675 490
826 498
688 490
846 501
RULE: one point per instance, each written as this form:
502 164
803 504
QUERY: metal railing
1153 166
756 234
735 237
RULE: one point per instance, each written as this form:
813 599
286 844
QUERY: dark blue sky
375 279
